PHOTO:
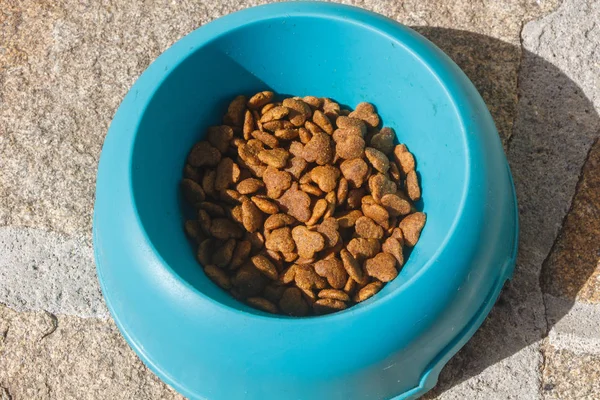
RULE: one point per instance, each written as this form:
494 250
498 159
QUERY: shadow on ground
560 109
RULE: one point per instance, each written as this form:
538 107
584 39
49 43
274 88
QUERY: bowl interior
298 55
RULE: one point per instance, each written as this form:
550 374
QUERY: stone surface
65 66
569 375
43 356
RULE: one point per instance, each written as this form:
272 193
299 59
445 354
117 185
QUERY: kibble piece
280 239
218 276
322 121
235 112
278 221
192 192
292 303
204 154
313 102
331 108
240 254
222 256
274 113
368 291
249 151
366 112
395 205
380 185
307 242
192 230
377 213
289 275
265 266
411 227
299 111
214 210
204 253
355 196
334 294
306 278
348 219
304 135
296 167
344 122
260 99
325 176
220 137
222 228
350 146
249 186
382 267
412 186
329 228
192 173
350 286
204 221
313 128
228 173
249 281
362 248
394 171
274 292
312 190
384 141
266 138
273 126
352 266
404 158
252 218
355 171
365 227
276 158
276 182
393 247
326 306
262 304
286 133
378 160
319 149
333 270
317 212
342 191
296 203
249 124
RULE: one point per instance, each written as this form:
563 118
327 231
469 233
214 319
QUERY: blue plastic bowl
206 344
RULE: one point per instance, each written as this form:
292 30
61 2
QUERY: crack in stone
54 322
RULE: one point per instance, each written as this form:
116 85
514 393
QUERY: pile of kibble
303 207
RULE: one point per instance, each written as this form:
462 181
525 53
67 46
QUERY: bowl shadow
518 319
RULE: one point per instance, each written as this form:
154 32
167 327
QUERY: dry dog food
302 207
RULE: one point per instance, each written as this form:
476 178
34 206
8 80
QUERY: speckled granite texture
65 66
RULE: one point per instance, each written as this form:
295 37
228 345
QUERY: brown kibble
228 173
393 247
230 196
220 137
348 219
378 160
333 270
286 134
240 254
192 230
394 172
266 138
268 107
384 140
249 124
404 158
222 256
322 121
366 112
331 108
352 266
398 235
355 196
350 286
297 165
192 192
237 215
204 154
329 229
256 239
342 191
297 149
248 152
299 111
252 218
412 186
334 294
368 291
395 205
349 145
280 239
276 182
214 210
313 102
319 149
265 205
274 126
249 186
273 292
288 275
204 221
265 266
382 267
306 278
377 213
296 203
222 228
380 185
411 227
262 304
362 248
218 276
331 204
249 281
276 158
260 99
365 227
344 122
235 112
307 242
192 173
312 128
292 303
304 135
274 113
326 306
205 250
325 176
311 189
355 171
318 211
278 221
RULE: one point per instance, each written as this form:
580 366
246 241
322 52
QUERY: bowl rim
313 9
